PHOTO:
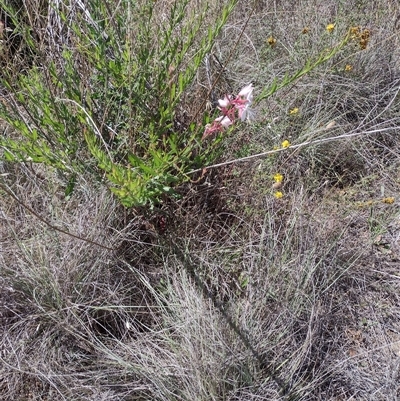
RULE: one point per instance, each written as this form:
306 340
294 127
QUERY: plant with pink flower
231 108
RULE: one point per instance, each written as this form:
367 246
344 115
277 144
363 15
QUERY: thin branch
226 63
300 145
90 119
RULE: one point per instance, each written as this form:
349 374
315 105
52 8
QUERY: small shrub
104 97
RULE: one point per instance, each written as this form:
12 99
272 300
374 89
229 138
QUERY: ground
226 291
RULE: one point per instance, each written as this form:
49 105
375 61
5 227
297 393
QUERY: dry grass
226 293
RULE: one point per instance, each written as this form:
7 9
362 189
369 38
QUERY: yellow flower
305 30
271 41
330 27
278 177
364 39
366 34
278 194
389 200
361 36
348 67
285 144
355 31
294 111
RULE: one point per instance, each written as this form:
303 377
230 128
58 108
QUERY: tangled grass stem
53 227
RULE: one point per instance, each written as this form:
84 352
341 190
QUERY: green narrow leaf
70 186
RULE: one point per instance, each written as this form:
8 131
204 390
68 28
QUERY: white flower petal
247 92
224 121
224 102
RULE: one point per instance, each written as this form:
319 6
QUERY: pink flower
243 101
217 126
247 92
224 121
225 102
228 107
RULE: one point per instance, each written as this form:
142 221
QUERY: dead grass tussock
60 292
